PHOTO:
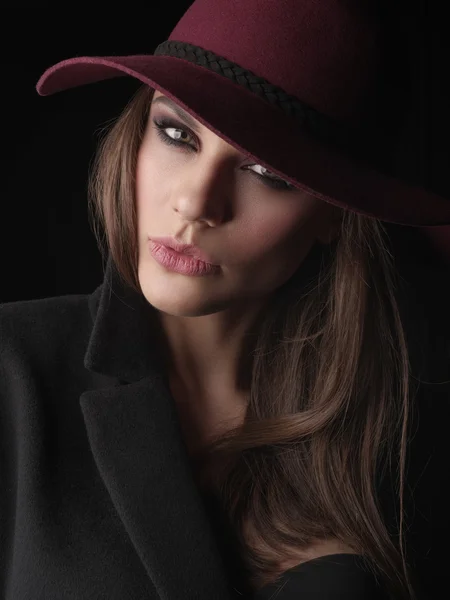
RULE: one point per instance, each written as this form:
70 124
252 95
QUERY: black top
332 577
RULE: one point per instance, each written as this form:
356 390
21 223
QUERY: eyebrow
179 111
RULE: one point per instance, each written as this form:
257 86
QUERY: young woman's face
205 192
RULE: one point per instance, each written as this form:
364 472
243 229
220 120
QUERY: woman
239 418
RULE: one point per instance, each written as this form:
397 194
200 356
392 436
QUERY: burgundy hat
296 85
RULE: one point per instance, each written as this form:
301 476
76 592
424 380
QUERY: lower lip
180 263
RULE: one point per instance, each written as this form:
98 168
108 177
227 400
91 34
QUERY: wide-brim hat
298 86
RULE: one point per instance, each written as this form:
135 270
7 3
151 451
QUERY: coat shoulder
45 327
30 310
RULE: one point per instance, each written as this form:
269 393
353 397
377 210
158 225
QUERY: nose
205 189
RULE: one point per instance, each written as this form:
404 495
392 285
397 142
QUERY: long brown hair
330 387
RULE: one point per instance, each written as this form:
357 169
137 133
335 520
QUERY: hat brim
263 133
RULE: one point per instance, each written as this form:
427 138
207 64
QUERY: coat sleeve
8 460
19 416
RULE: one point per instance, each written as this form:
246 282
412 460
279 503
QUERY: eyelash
160 125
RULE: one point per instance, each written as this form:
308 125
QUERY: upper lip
188 249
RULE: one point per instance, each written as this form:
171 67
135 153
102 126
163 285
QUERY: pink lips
178 262
187 249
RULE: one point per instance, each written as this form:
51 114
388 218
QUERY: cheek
279 234
269 249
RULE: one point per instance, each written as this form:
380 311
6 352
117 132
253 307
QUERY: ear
330 226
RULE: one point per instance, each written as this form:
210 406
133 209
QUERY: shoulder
32 329
42 345
30 311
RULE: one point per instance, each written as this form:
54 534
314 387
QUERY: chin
183 309
167 299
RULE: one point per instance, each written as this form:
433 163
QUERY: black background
47 246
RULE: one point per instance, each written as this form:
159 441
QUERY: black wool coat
97 496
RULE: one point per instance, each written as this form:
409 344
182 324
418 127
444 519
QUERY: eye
177 133
180 133
273 180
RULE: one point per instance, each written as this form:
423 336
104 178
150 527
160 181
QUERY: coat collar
126 336
137 445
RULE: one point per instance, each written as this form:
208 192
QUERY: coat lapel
136 441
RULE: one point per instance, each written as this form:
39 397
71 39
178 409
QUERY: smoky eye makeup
182 134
